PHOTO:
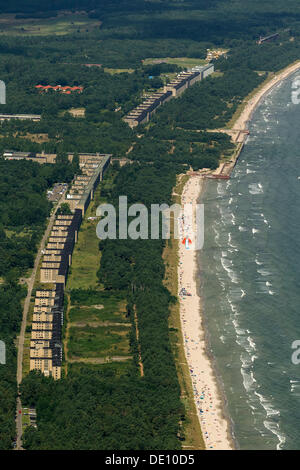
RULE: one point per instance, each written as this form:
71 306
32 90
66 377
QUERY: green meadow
180 61
98 342
64 23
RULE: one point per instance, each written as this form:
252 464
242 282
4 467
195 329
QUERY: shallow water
250 277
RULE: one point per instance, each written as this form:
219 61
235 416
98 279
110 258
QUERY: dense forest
11 296
96 408
24 209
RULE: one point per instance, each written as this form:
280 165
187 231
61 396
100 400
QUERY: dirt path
67 332
30 284
100 360
96 324
138 342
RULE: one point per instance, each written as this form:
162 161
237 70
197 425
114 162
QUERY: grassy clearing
86 255
116 71
77 112
217 74
117 369
64 23
97 306
85 259
98 342
17 233
192 430
38 138
115 313
27 337
89 297
181 61
26 354
25 418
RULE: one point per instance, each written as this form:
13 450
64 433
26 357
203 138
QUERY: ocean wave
271 421
255 188
230 240
252 343
249 381
264 272
221 190
227 265
275 429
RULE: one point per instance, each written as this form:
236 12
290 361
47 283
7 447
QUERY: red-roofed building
64 89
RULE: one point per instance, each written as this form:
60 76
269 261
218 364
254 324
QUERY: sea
249 278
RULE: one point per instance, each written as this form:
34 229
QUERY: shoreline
214 423
239 131
247 113
209 395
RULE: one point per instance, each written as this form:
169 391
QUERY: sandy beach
208 400
245 116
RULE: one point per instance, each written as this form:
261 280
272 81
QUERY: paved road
30 284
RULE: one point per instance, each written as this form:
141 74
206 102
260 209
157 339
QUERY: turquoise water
250 275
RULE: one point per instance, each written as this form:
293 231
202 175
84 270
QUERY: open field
64 23
25 418
26 353
86 257
77 112
109 313
97 327
118 369
98 342
181 61
38 138
115 71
